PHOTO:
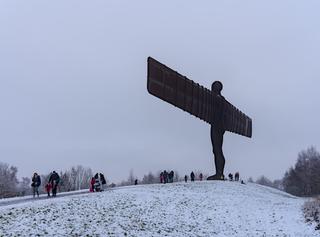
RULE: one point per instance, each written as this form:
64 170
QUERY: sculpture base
216 177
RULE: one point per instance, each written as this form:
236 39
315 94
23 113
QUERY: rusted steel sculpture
208 105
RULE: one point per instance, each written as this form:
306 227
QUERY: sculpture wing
195 99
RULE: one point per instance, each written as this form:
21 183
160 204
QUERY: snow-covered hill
194 209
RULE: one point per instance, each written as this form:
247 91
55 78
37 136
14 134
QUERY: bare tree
131 177
264 181
250 180
150 178
8 180
304 178
24 187
66 183
277 184
76 178
176 177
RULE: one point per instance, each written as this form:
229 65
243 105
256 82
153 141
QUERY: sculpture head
217 87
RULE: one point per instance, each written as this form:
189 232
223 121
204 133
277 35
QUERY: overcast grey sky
73 83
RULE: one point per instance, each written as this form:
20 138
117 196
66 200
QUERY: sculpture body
216 133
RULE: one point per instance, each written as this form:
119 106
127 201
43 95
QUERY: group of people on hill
166 177
236 176
51 186
97 183
192 177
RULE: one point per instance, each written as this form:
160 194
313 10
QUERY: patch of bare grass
311 210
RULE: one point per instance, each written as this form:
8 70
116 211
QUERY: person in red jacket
161 177
92 181
48 188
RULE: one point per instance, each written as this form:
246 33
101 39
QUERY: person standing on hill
48 188
100 182
186 178
192 176
54 181
171 176
165 176
92 181
200 176
230 177
97 183
161 177
36 182
236 176
103 181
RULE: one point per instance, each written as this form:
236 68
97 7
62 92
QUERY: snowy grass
311 211
213 208
28 197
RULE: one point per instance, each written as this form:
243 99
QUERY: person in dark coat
236 176
200 176
169 177
100 181
171 174
186 178
54 181
192 176
36 182
103 180
230 177
136 182
97 183
165 176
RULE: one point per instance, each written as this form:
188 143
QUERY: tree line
302 179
